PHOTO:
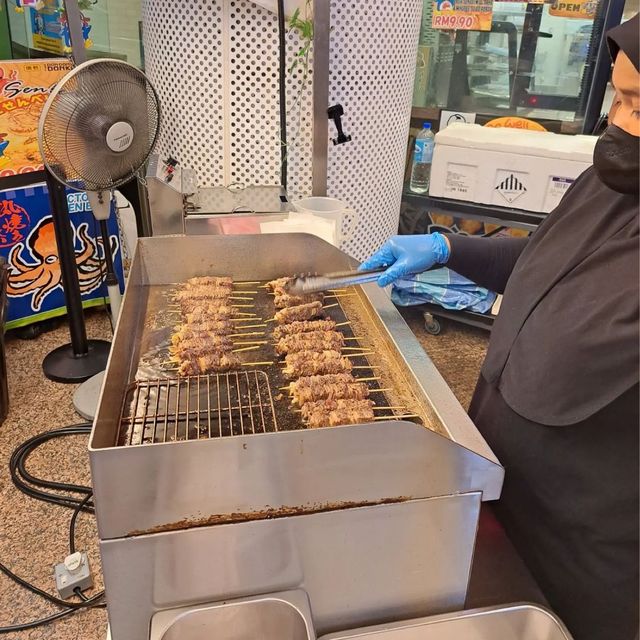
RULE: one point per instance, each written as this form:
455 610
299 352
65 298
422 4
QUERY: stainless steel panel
184 484
166 208
513 622
358 566
273 617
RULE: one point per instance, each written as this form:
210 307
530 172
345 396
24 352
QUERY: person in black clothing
557 399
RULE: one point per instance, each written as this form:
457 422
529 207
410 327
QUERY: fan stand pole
85 399
82 358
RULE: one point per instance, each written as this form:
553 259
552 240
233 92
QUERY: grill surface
195 407
160 407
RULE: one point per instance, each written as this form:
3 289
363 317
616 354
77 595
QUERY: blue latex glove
408 255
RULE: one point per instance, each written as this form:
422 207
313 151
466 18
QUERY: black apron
557 402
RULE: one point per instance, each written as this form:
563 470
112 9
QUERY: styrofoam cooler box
517 168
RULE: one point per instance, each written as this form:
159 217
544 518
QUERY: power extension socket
72 574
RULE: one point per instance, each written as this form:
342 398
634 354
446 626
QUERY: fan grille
80 111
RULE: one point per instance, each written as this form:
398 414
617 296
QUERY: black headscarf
626 37
565 344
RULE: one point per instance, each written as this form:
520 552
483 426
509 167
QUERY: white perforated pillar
373 58
215 66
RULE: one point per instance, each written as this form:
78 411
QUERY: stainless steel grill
205 519
198 407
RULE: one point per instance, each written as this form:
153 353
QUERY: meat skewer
303 326
311 341
283 299
192 365
331 413
202 345
310 363
202 292
209 313
341 386
208 293
279 284
215 281
300 312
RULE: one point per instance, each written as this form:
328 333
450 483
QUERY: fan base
62 365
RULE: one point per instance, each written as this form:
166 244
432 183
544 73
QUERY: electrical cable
282 81
27 483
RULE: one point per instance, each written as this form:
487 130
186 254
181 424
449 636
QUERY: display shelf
505 216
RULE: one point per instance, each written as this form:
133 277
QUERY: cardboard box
516 168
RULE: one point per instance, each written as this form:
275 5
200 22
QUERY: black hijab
626 37
565 344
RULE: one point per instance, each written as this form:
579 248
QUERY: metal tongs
313 282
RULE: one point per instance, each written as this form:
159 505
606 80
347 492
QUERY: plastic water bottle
422 157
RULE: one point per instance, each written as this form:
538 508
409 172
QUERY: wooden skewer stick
356 349
248 292
366 380
408 415
342 324
246 349
249 333
330 306
338 290
248 342
339 295
390 408
288 387
347 355
243 282
257 364
366 366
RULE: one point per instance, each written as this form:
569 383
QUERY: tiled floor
34 535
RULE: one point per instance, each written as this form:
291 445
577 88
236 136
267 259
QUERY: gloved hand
408 255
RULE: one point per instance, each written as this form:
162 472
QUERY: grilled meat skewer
340 386
209 281
203 293
279 284
205 313
303 326
299 312
311 363
311 341
283 299
210 363
203 345
215 327
331 413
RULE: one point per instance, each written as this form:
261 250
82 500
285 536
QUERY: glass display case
40 29
537 61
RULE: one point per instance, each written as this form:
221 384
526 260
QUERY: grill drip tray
197 407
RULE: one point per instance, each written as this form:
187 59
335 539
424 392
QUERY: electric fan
96 131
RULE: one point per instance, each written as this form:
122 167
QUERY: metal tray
512 622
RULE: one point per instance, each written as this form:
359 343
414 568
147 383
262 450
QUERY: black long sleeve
486 261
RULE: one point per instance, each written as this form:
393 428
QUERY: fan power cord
40 489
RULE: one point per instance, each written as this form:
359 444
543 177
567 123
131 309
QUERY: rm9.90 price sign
453 21
466 15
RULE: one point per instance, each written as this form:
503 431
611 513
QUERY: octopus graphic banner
28 244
